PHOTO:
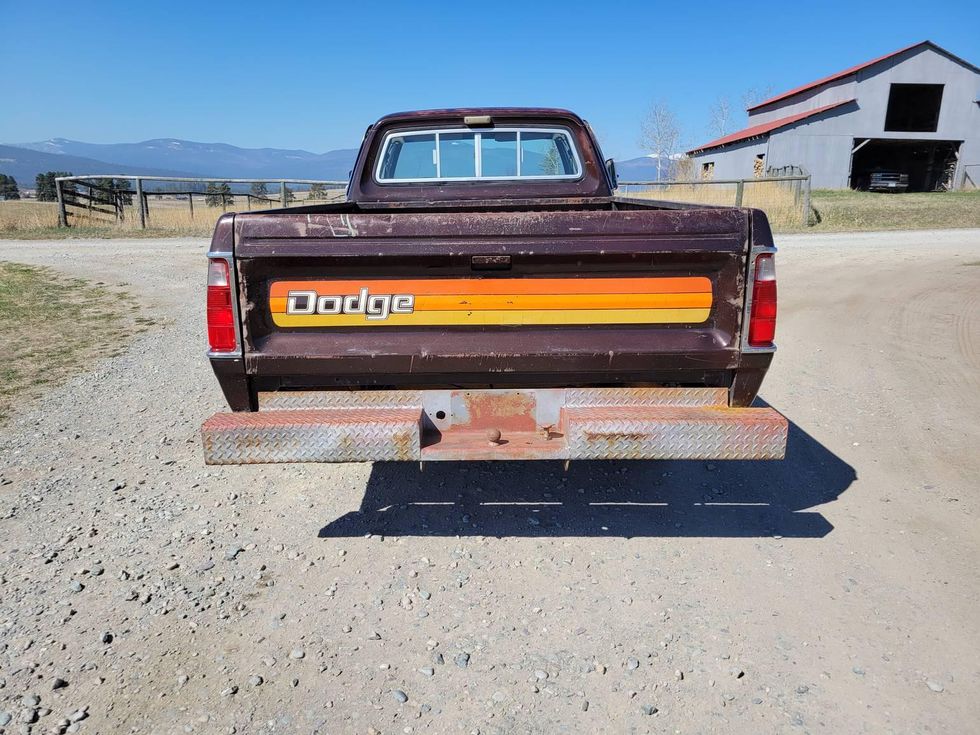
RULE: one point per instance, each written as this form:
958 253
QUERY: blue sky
313 75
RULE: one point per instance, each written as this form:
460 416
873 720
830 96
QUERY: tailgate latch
490 262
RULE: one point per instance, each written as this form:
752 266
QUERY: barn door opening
927 165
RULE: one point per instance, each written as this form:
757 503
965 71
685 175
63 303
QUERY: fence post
190 202
739 189
139 199
282 193
62 213
806 201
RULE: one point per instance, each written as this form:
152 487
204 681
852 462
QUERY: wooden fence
103 195
790 195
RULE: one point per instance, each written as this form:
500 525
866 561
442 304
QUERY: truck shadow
603 498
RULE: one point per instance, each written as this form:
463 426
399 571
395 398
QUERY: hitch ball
493 436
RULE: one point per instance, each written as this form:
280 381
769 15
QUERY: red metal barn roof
763 128
856 69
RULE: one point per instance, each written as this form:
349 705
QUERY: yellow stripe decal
502 317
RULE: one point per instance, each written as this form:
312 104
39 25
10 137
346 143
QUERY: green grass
52 326
861 211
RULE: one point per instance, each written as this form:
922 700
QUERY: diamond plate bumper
580 423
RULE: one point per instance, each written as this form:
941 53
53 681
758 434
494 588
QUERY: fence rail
785 198
782 197
111 200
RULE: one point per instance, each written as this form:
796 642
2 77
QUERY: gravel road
835 592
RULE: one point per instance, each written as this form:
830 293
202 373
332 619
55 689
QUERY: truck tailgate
547 298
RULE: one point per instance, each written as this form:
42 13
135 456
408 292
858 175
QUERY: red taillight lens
221 316
762 322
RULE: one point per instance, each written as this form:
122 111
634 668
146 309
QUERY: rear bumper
549 423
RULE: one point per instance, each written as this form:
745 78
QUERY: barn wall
734 161
842 89
826 157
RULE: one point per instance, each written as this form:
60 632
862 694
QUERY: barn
914 112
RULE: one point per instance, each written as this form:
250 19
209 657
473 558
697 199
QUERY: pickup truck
482 293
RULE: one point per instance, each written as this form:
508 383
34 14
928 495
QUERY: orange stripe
538 301
501 286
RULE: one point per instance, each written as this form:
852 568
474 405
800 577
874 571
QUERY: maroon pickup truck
482 293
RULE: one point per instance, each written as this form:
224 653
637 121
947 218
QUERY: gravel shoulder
837 591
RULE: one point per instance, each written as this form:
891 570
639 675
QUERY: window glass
499 154
504 153
545 154
410 157
457 155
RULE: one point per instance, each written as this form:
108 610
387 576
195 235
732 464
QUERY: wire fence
126 200
784 199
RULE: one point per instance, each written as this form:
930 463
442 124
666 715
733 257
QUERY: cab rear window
478 155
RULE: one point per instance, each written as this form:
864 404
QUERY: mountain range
175 157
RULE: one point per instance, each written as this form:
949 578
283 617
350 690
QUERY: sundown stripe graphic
490 301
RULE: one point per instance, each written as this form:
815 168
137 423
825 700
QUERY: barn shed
913 113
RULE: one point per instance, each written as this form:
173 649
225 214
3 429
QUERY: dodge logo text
373 306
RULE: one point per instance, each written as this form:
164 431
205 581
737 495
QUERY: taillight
762 321
221 316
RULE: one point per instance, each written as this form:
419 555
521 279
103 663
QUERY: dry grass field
168 216
782 201
831 211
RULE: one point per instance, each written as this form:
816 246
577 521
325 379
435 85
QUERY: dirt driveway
836 592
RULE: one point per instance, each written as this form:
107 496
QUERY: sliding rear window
492 154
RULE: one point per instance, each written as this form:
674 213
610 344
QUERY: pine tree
103 194
218 195
259 189
122 190
44 190
212 197
8 187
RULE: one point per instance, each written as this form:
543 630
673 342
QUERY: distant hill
24 165
643 168
175 157
209 159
